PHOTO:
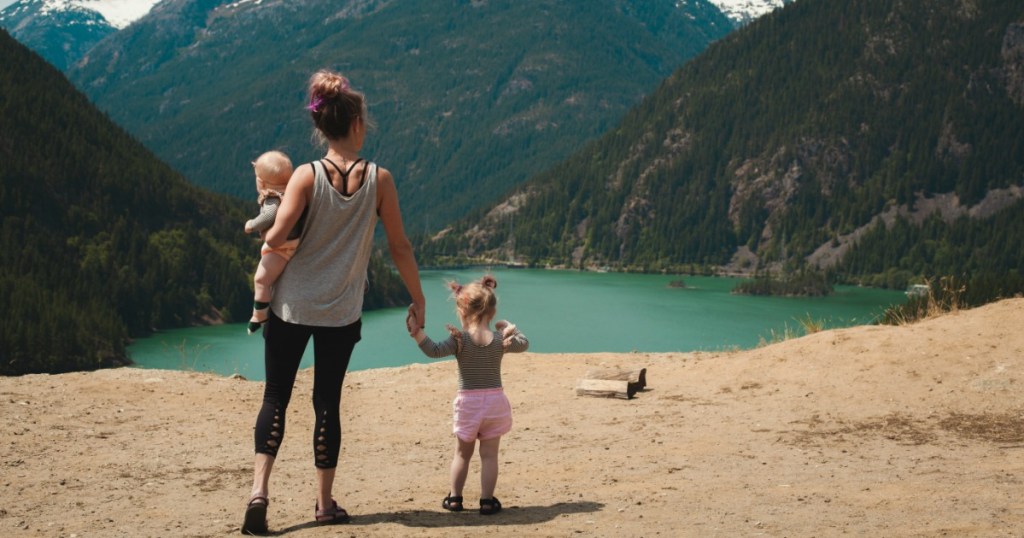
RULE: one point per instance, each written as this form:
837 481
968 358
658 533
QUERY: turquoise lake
559 311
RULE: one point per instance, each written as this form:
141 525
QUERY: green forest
100 242
468 98
785 136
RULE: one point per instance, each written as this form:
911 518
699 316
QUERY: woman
320 294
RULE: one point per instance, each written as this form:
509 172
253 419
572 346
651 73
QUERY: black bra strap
344 175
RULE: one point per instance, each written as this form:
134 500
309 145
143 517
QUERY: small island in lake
804 284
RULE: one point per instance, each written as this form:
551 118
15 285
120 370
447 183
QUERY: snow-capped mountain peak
744 11
118 13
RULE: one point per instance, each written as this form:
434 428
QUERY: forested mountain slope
879 139
470 98
99 240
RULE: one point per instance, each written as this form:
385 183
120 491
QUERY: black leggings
284 345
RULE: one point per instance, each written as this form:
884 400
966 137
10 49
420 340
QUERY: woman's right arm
398 243
296 197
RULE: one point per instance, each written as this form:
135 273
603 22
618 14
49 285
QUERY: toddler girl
481 409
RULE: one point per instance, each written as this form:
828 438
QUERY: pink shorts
481 414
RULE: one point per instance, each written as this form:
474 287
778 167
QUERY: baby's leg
270 267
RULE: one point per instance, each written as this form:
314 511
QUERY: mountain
469 97
62 31
99 240
855 137
741 12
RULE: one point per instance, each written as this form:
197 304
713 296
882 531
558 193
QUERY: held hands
414 320
412 323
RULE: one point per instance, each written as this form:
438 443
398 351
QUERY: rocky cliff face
1013 62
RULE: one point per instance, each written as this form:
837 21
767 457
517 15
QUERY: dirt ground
888 431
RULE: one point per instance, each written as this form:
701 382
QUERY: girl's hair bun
489 282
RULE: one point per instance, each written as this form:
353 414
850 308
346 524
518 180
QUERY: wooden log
605 388
637 377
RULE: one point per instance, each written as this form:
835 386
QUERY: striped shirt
479 366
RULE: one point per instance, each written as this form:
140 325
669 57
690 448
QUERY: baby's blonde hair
475 301
273 170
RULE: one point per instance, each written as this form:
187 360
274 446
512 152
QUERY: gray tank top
324 283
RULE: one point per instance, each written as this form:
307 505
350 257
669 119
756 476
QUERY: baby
273 170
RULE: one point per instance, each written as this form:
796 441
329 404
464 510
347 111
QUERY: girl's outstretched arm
434 350
512 341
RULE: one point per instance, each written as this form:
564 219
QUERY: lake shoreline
560 311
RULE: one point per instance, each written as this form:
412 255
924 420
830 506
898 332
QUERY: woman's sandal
452 503
331 516
255 523
490 506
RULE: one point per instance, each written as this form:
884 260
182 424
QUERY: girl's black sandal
490 506
452 503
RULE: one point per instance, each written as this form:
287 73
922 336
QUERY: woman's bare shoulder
384 175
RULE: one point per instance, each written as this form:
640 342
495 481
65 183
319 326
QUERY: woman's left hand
419 311
412 323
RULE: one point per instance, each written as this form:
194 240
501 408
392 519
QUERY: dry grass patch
1002 428
903 429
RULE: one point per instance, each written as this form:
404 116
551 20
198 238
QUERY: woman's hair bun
328 84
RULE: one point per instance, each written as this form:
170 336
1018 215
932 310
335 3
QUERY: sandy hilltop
890 431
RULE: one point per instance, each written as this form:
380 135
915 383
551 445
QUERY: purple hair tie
314 104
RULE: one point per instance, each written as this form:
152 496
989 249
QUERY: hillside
856 137
887 431
99 240
469 98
